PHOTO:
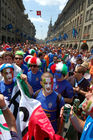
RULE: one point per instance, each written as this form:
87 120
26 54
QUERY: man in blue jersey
61 85
43 61
53 62
6 85
48 98
34 75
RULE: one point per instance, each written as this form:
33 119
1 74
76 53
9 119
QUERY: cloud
38 20
26 0
60 3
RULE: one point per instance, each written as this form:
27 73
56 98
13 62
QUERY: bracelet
73 115
4 108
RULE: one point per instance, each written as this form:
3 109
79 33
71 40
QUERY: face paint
90 107
8 74
58 75
48 84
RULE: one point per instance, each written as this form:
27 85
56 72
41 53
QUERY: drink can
76 102
76 105
66 112
83 116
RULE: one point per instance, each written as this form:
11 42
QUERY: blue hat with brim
4 66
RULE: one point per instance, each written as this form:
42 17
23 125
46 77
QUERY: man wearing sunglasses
19 61
34 75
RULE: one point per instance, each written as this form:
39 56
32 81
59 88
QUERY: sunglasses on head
18 58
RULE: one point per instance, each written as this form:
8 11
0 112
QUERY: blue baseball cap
7 65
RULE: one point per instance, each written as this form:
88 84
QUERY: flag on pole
74 32
32 119
9 26
4 130
65 36
38 13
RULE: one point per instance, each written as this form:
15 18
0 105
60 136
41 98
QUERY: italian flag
4 130
34 123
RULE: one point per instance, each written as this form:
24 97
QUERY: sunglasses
35 66
18 58
76 72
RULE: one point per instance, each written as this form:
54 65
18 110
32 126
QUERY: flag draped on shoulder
4 130
32 119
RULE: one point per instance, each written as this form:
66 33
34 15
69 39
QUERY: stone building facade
14 24
76 20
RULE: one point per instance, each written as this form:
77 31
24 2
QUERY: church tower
50 28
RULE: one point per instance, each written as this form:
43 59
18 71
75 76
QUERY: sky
49 9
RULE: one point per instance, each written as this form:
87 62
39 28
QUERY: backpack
57 101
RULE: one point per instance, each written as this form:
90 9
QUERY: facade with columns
76 20
14 24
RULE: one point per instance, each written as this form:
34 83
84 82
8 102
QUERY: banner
4 130
31 120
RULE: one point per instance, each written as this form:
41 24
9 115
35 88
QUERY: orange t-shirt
47 59
91 69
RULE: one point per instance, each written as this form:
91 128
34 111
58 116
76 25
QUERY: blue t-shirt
68 63
24 69
6 90
43 66
34 80
87 133
50 57
64 88
49 105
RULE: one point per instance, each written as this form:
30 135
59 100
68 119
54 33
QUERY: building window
3 1
90 2
82 6
77 21
87 15
87 31
80 18
89 28
91 14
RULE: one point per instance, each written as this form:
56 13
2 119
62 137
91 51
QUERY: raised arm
24 77
10 120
